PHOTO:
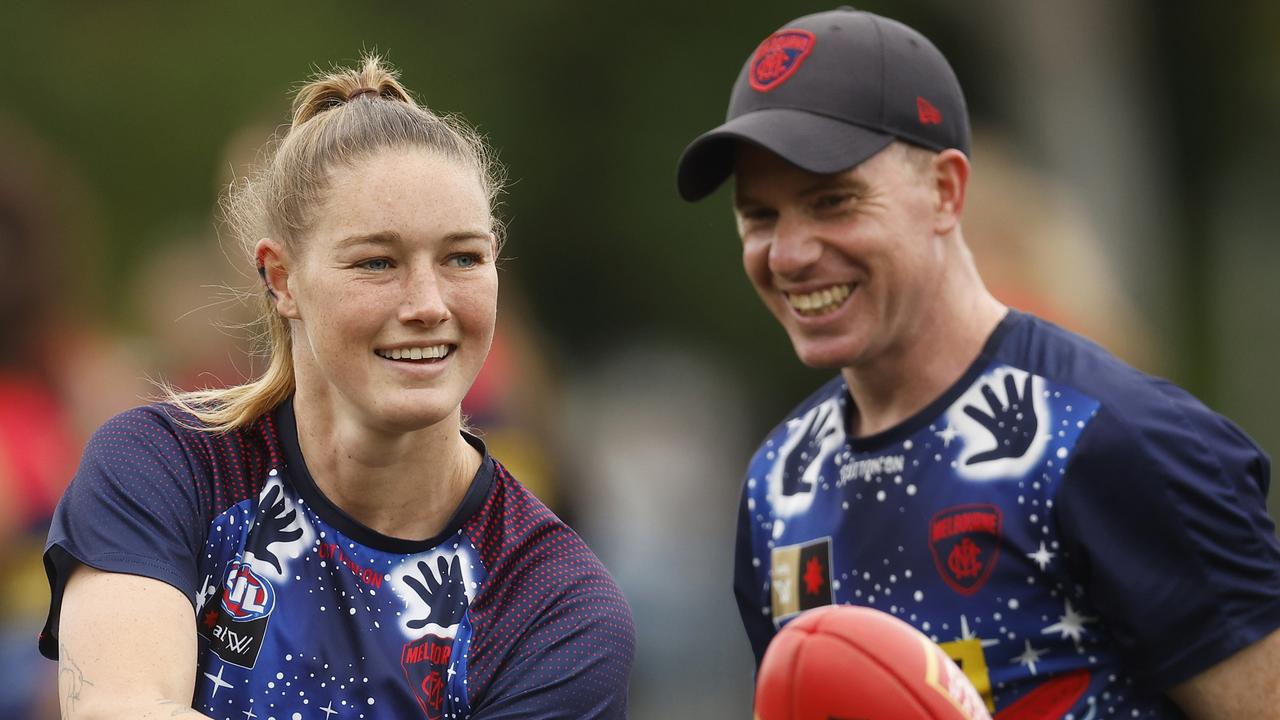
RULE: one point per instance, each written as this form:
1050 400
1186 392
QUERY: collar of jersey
297 472
913 424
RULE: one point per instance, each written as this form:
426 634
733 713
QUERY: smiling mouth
821 301
425 353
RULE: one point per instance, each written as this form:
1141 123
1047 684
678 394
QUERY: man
1087 541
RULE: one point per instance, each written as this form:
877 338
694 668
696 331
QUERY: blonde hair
339 118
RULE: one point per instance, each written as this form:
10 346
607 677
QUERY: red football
843 662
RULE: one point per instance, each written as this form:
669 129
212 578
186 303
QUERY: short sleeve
573 664
132 507
1163 512
747 587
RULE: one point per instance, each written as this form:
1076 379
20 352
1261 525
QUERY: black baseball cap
826 92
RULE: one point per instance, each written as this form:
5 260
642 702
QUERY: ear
273 266
951 179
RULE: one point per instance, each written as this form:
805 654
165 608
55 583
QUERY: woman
328 541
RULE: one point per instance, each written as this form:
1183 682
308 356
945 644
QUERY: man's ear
951 179
273 267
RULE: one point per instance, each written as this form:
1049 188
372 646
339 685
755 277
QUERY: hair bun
342 86
351 97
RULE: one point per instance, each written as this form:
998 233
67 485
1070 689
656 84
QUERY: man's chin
820 358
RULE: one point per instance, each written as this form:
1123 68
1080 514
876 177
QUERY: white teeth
433 352
820 301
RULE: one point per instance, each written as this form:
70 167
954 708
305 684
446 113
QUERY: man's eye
828 202
376 264
465 260
760 215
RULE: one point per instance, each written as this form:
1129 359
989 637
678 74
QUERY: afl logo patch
778 57
247 596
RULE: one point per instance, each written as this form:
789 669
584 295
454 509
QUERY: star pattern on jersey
206 591
248 714
967 634
1030 656
947 435
1070 624
860 484
328 710
218 682
1042 557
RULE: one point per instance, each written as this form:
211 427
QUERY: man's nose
795 247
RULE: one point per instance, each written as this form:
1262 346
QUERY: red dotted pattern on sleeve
552 628
226 467
158 441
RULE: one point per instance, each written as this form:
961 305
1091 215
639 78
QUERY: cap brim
811 142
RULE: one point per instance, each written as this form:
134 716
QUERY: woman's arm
127 648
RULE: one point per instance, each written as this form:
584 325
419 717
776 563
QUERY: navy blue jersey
301 610
1077 535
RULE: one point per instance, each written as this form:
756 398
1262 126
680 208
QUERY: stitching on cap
880 39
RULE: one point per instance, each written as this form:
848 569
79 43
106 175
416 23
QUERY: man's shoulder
1064 358
1136 408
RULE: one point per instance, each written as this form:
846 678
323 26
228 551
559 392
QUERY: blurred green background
1136 143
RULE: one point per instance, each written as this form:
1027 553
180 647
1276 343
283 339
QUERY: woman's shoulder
176 436
518 535
548 604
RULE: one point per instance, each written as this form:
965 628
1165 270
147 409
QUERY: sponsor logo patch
965 541
234 621
778 57
800 578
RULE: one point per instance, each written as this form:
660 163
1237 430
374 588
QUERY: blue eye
465 260
376 264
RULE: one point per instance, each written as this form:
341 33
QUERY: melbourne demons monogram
965 541
778 57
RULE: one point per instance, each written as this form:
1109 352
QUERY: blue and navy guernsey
1077 535
302 612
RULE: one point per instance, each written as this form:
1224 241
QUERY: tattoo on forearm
71 682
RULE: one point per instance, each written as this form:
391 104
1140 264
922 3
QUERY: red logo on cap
929 114
778 57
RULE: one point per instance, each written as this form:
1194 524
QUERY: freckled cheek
478 301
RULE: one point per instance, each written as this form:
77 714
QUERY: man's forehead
756 169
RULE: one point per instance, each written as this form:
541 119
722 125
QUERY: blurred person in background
1036 251
50 357
514 405
655 424
328 537
1084 539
